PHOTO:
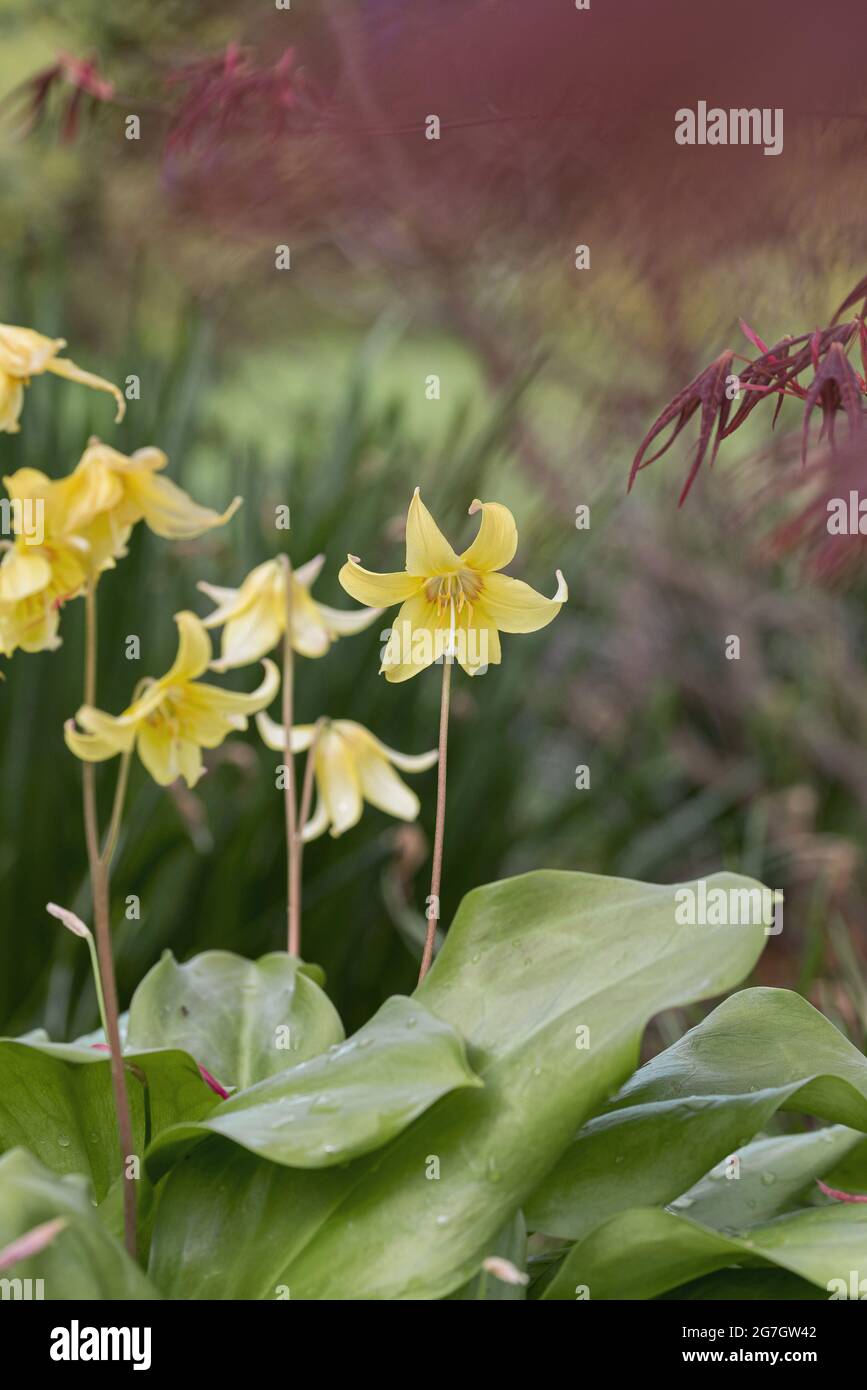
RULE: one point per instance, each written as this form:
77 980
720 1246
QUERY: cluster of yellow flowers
453 608
85 522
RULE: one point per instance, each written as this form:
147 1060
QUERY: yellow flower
255 614
176 716
453 605
35 581
39 571
108 492
24 354
351 767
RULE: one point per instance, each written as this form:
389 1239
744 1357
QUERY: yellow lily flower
176 716
35 581
25 354
351 766
40 570
453 605
255 615
108 492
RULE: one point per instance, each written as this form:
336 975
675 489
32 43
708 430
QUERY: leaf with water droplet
345 1104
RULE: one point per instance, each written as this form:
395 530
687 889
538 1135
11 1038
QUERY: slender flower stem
100 894
110 842
290 799
439 831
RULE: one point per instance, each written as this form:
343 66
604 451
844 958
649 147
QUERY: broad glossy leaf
242 1019
771 1176
57 1101
761 1051
644 1252
83 1260
527 966
345 1103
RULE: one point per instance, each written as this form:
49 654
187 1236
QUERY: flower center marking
452 591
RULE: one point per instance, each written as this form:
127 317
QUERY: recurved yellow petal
28 484
344 622
377 590
308 573
381 786
33 630
22 573
427 550
420 636
226 600
497 540
90 748
61 366
168 510
235 704
194 650
310 636
188 757
513 606
159 750
11 401
477 644
24 352
338 782
271 734
317 824
407 762
93 487
104 736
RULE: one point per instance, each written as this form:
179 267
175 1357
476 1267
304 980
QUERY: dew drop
442 1220
63 1140
769 1179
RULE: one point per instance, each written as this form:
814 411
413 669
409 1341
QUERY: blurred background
455 257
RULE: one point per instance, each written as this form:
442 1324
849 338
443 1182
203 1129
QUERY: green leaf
83 1260
761 1051
527 965
486 1287
242 1019
850 1174
644 1252
56 1100
771 1176
351 1100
